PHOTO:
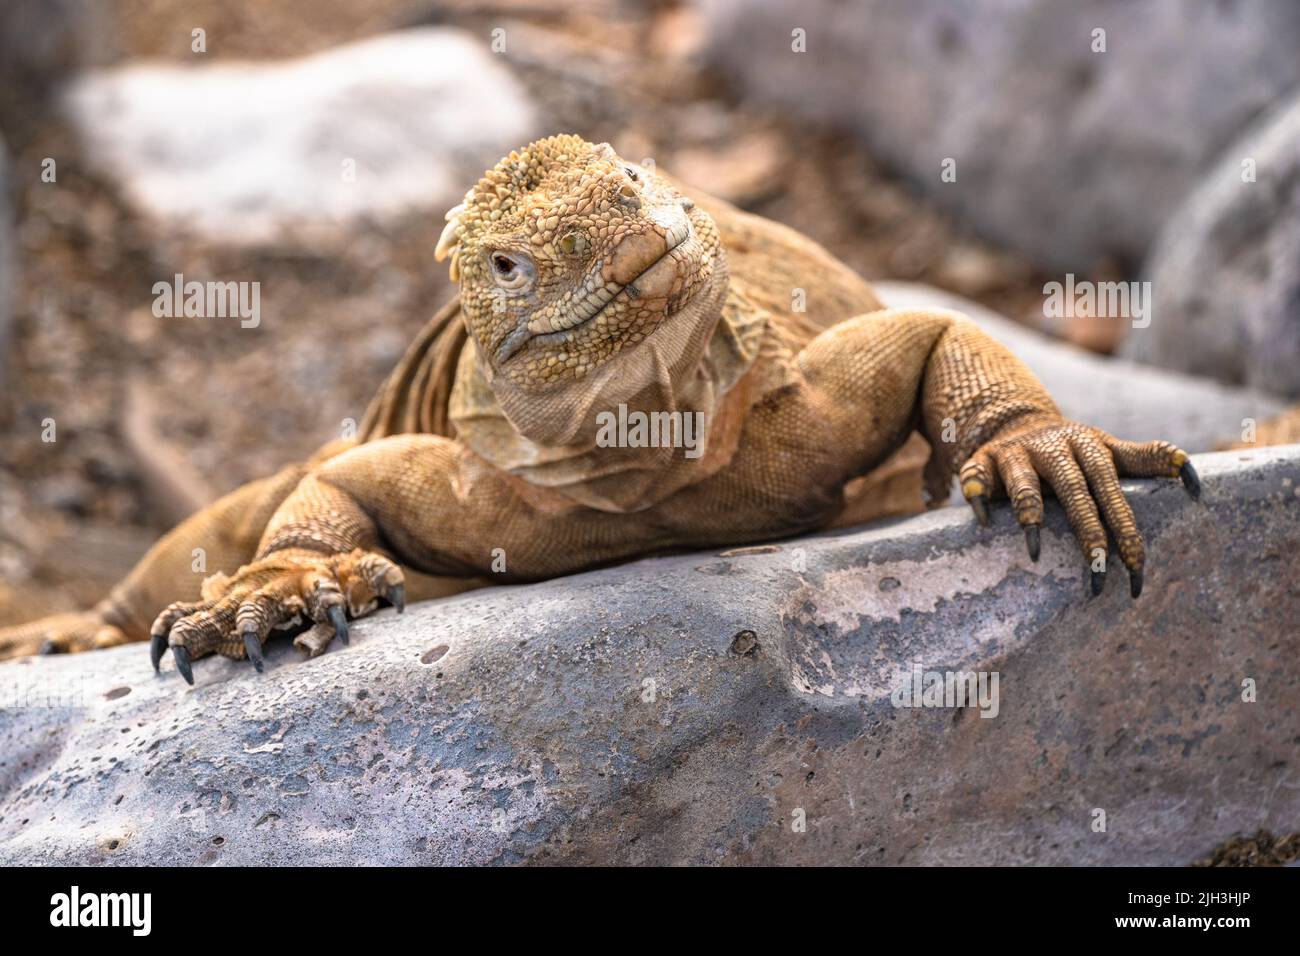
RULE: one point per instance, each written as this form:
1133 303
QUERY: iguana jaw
643 265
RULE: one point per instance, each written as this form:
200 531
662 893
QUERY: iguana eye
510 270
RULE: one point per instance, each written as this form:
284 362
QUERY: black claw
48 647
157 644
1098 582
1033 541
1135 582
253 648
1191 480
396 596
183 664
980 505
339 621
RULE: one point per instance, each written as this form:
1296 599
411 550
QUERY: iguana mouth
593 299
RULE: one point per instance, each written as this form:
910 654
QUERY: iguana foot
60 634
238 612
1083 466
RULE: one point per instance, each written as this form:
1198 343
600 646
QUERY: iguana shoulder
793 280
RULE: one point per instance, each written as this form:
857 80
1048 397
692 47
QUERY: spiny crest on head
494 197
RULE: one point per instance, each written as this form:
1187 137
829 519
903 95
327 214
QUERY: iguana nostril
574 244
634 254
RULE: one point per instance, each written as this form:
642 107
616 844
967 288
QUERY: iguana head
569 257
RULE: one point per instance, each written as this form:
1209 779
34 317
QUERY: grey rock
1225 274
694 709
247 152
1065 154
1127 399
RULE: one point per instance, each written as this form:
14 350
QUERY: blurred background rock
228 164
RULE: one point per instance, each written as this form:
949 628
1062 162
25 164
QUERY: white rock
239 151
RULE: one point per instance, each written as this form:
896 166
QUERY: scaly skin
587 283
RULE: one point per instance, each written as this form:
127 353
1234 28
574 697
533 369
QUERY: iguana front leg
220 537
317 556
989 420
332 549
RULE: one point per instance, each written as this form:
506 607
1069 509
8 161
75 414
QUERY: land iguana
587 285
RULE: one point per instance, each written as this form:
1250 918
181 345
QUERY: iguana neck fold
696 362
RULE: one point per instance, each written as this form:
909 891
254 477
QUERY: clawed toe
241 611
1083 467
1033 541
182 658
340 622
157 645
1098 582
396 596
253 648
